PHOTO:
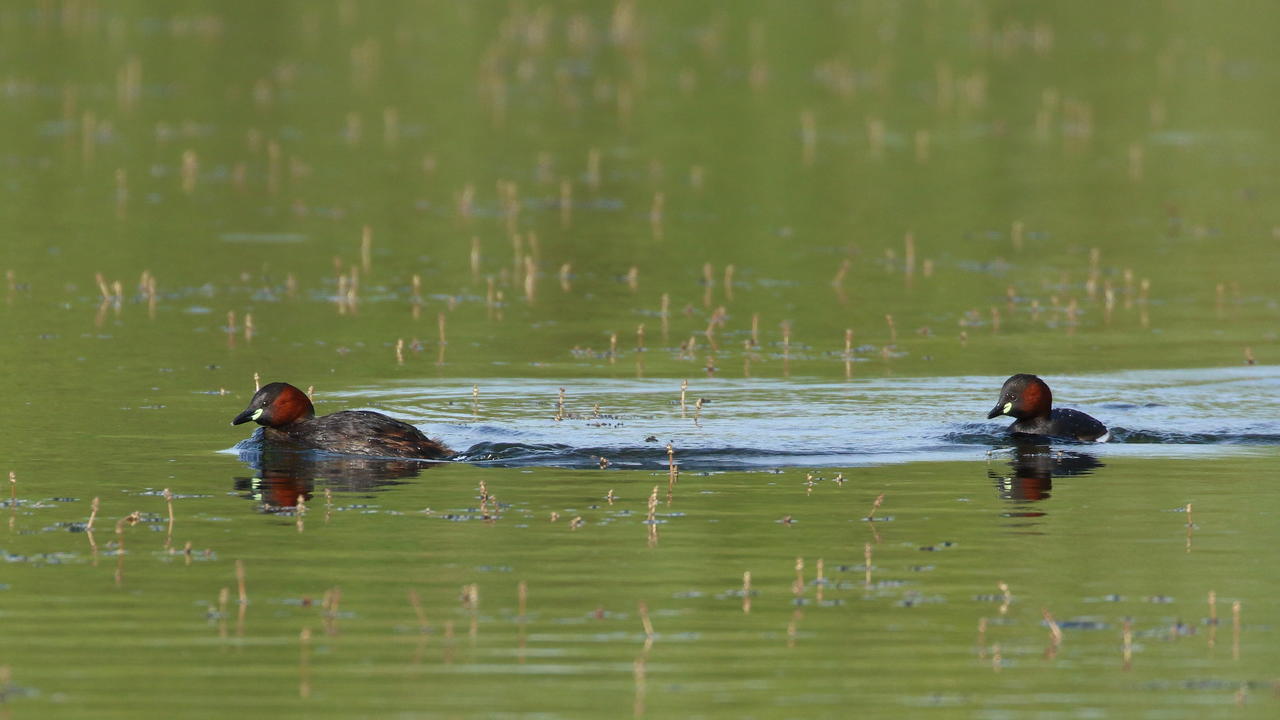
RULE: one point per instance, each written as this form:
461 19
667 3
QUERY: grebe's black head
277 405
1023 396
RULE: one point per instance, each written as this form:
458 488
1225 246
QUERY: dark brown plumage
288 418
1029 399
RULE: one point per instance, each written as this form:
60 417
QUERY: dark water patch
979 434
1083 625
650 457
1210 437
633 458
1129 406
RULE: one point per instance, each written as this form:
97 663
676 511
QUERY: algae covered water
792 252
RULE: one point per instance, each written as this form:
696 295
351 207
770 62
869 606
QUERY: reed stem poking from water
797 585
644 620
93 515
1213 619
13 489
240 583
565 275
530 279
874 506
466 202
746 592
717 318
299 512
684 387
353 290
848 353
190 171
866 564
1235 630
820 582
257 382
1190 526
837 282
329 608
223 595
728 282
560 406
440 325
633 278
148 287
366 247
673 473
130 519
638 678
103 288
1055 631
399 351
1126 653
168 499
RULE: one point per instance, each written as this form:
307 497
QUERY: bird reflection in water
284 476
1032 468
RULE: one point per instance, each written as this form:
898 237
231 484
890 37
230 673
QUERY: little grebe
1028 399
288 418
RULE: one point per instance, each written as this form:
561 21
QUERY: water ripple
767 423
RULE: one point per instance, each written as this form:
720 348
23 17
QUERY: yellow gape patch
1007 407
258 413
